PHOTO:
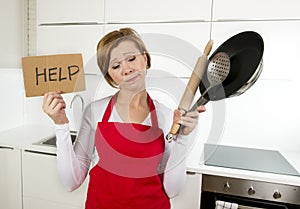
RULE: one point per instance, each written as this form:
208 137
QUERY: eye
131 58
115 66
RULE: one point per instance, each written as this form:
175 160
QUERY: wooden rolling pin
190 90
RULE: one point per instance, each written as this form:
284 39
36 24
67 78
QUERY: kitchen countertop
292 157
24 137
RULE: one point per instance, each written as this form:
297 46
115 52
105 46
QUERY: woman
121 138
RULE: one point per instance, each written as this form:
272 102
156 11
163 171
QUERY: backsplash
12 102
266 116
76 102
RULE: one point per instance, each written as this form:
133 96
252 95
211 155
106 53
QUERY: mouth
132 79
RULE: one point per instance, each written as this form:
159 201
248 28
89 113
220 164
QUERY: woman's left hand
189 120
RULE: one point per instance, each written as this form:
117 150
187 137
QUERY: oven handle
243 206
236 206
248 207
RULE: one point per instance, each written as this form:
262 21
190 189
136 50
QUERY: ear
145 56
146 59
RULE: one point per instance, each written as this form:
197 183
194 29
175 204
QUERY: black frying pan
245 51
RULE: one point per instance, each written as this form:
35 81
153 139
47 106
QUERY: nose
127 69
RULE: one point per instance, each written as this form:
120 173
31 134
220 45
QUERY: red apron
126 176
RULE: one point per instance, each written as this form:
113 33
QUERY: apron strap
109 108
153 114
112 101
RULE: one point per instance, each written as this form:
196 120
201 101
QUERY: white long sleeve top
74 161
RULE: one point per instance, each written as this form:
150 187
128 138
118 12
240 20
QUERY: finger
192 114
177 115
46 102
57 101
51 97
59 107
201 109
188 127
188 121
48 96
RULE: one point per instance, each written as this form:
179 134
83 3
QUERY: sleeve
74 161
173 164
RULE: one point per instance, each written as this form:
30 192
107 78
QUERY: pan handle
201 101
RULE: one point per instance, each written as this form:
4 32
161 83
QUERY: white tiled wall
95 88
266 116
12 99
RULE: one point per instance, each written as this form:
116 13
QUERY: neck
132 108
132 99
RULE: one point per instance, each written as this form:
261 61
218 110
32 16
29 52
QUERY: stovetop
270 161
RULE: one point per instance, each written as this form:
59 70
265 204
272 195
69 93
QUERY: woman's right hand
54 106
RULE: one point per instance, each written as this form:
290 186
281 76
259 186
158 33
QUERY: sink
51 141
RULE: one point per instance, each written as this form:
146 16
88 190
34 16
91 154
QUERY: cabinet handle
67 23
4 147
233 20
190 173
40 153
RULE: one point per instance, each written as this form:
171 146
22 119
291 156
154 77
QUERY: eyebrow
134 53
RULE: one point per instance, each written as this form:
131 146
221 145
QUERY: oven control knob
226 187
277 194
251 191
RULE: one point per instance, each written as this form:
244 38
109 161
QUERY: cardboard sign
62 72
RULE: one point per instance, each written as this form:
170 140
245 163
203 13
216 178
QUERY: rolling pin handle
193 84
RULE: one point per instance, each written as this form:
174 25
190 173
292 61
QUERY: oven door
209 199
247 194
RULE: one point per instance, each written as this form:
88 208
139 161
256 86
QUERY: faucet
82 101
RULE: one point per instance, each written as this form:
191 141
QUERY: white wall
12 42
33 106
12 102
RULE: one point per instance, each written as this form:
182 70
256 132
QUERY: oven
247 194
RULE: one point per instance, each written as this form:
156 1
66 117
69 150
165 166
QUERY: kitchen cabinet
42 187
156 11
83 39
10 178
12 33
189 198
255 10
30 202
174 47
70 11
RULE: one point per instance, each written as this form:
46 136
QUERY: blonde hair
111 41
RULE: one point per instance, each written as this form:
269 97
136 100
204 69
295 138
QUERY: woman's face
127 65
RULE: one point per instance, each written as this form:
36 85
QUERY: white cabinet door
71 39
189 198
156 10
255 10
42 185
10 178
70 11
174 47
35 203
